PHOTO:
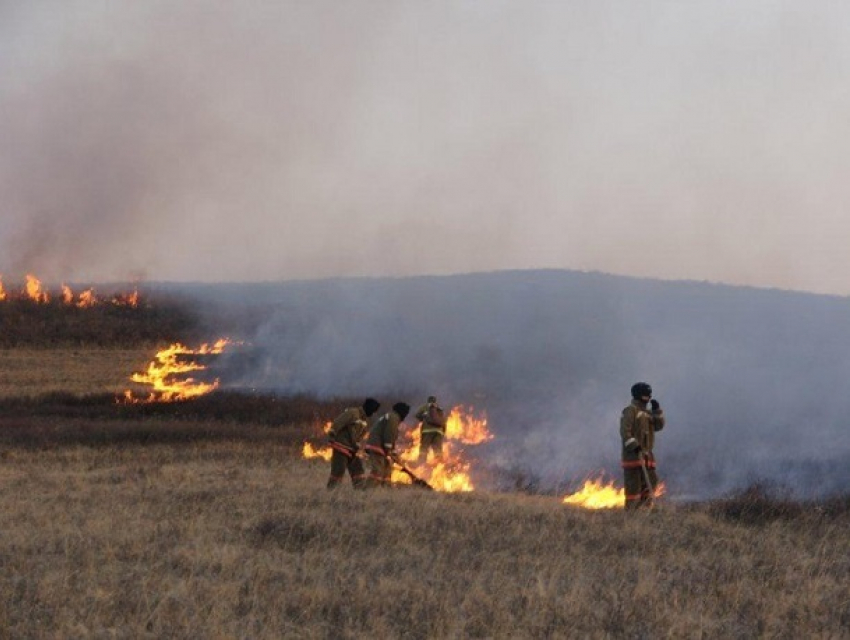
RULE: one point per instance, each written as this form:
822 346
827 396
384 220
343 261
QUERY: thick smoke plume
752 380
247 141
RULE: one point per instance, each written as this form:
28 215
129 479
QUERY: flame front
34 291
597 494
172 362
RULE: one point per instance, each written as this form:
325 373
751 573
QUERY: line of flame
165 365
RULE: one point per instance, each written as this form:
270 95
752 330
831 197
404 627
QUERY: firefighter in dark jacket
432 429
638 425
381 445
344 437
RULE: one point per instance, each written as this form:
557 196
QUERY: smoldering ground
752 380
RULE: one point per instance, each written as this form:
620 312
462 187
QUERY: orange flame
171 362
127 299
309 451
596 494
2 290
34 291
451 473
67 295
87 299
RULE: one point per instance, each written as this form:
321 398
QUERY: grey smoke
752 380
224 141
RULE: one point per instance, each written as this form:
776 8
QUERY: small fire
87 299
172 362
597 494
309 451
452 472
2 290
127 299
33 290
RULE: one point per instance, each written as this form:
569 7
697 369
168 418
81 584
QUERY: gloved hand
655 405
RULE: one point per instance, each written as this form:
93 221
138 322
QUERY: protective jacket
383 434
432 417
347 430
637 430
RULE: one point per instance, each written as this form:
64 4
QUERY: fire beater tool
648 481
417 481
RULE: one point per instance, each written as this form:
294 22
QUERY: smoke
218 141
751 380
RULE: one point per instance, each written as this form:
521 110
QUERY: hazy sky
267 140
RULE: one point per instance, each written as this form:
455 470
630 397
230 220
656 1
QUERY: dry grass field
32 372
200 520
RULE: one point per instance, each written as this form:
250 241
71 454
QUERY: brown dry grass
31 372
240 539
186 522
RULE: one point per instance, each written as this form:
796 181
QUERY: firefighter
344 437
637 431
432 429
381 445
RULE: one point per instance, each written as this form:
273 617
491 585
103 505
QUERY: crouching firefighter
637 431
381 445
344 437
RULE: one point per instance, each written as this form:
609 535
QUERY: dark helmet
641 389
432 398
401 409
370 406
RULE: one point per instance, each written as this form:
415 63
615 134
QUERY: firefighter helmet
370 406
401 409
641 390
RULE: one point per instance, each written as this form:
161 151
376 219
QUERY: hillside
751 379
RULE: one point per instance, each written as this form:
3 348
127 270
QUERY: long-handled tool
417 481
647 480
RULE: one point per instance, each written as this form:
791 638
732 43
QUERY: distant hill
753 380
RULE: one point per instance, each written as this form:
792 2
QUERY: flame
87 299
171 362
34 291
127 299
597 494
452 473
309 451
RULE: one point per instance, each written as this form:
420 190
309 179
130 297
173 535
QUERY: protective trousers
340 461
381 470
430 441
637 491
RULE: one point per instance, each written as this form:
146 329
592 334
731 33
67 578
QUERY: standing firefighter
381 443
344 437
432 429
637 431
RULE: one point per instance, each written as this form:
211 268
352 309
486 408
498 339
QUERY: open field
32 372
238 538
199 520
